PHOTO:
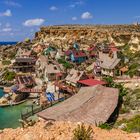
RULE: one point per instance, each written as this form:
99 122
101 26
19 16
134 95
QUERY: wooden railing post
32 110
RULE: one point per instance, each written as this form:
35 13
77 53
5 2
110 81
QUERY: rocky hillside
89 34
62 131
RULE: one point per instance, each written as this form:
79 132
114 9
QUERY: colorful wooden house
78 56
50 51
91 51
108 60
74 76
38 48
48 70
75 55
24 64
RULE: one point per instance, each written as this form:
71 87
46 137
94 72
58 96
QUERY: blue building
75 55
78 56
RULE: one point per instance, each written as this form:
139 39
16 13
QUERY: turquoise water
9 116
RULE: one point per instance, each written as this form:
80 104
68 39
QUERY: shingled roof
74 76
91 105
108 62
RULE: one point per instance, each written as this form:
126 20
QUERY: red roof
79 53
76 53
113 47
59 74
68 52
91 82
91 48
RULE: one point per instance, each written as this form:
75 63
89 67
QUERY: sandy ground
63 131
38 82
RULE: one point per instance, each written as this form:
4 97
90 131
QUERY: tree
9 76
122 90
109 81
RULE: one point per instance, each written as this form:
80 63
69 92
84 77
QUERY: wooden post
32 110
21 115
58 94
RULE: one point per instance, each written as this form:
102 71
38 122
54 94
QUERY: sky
20 19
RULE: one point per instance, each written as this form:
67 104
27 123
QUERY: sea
8 43
9 116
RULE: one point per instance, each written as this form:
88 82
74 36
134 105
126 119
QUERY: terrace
24 64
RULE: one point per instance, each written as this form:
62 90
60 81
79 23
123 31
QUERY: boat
13 103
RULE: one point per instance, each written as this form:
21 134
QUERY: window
55 68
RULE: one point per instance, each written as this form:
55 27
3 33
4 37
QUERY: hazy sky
20 19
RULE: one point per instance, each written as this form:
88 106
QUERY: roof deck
91 105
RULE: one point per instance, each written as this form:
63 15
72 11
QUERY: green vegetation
131 125
6 62
27 40
12 55
81 133
9 76
133 69
110 83
106 126
131 101
66 64
133 64
124 110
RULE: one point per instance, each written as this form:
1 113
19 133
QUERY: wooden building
93 105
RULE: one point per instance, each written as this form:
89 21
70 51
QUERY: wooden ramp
92 105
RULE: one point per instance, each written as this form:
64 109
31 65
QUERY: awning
50 96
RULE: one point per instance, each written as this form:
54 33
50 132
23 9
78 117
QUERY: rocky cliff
62 131
90 34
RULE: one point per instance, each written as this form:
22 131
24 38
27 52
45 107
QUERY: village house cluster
48 74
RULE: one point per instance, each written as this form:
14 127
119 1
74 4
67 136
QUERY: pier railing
34 110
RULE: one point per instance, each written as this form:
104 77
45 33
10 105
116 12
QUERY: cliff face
89 34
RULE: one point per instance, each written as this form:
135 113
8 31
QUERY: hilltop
90 34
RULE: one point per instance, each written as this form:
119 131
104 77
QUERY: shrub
66 64
124 110
12 55
105 126
132 125
9 76
81 133
6 62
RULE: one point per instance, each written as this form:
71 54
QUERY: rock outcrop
62 36
62 131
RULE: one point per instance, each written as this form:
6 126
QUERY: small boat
12 103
